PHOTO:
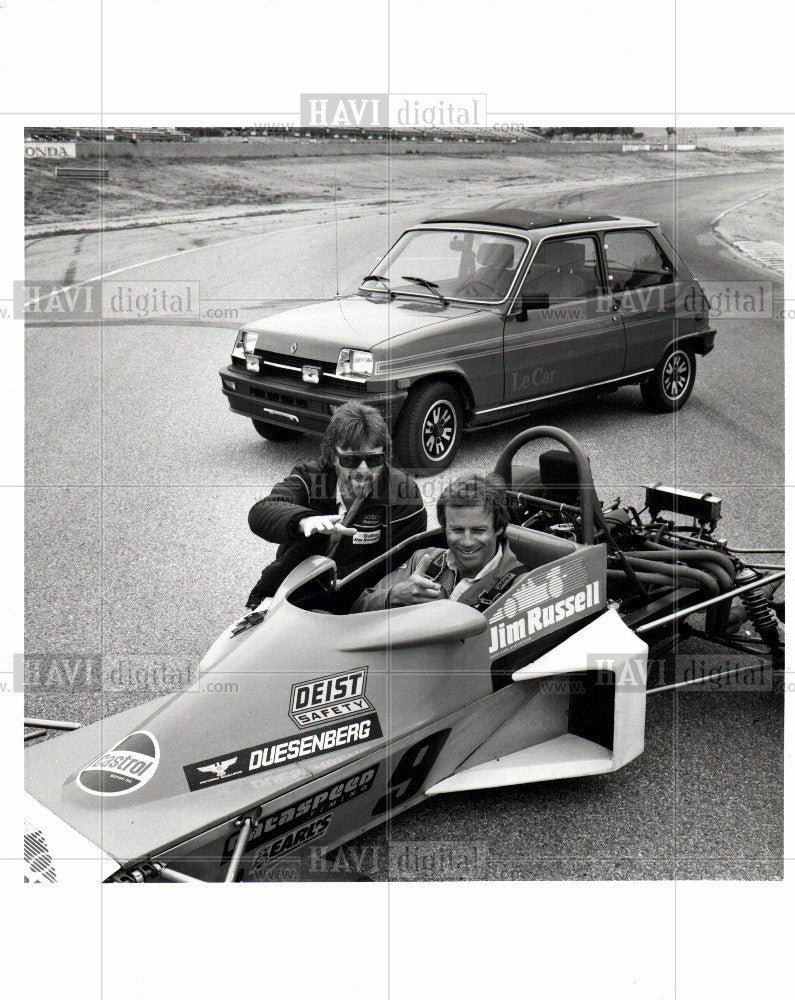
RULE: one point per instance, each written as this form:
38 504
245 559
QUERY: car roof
515 217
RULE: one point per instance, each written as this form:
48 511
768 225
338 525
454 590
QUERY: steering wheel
477 288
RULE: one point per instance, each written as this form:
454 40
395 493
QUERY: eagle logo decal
219 768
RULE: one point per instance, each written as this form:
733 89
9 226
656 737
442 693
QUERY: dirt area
155 179
723 139
760 220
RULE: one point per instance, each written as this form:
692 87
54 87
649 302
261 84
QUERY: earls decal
122 769
329 698
303 835
279 823
267 756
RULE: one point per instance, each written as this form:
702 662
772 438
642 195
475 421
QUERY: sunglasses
373 459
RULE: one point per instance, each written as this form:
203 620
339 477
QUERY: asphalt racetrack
139 481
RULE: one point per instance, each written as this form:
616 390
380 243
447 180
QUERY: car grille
279 397
288 366
270 357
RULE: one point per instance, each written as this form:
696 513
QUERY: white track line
180 253
742 204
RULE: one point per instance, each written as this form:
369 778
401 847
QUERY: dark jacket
392 513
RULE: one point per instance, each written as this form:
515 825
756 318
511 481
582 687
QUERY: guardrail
84 173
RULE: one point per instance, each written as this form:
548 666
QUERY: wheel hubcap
438 430
676 374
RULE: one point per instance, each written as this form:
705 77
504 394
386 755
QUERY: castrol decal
122 769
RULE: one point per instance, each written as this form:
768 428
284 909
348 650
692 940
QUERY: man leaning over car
474 514
350 504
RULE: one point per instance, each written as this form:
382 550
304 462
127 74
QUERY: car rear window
635 261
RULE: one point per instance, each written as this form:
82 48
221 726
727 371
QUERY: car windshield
473 266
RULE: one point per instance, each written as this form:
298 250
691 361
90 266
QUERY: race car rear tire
272 432
669 386
428 431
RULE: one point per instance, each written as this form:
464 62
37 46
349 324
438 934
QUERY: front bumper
298 405
707 341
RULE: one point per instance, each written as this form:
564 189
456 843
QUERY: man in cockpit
474 514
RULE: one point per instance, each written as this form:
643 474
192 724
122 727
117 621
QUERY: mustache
364 482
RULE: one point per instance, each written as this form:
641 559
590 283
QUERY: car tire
272 432
669 386
428 431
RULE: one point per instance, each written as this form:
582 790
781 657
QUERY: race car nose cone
55 853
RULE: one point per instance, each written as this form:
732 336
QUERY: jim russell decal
547 599
267 756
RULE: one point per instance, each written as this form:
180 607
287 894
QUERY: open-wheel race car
341 720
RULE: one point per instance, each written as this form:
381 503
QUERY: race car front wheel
272 432
428 431
670 384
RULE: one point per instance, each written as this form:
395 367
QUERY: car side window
565 269
635 261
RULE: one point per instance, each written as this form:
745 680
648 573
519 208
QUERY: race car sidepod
606 716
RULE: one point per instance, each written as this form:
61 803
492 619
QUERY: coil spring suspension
761 614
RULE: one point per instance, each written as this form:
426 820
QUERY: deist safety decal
328 698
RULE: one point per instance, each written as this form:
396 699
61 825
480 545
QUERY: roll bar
585 485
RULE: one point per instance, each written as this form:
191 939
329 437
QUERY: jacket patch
371 519
366 537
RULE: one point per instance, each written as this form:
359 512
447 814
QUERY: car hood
320 330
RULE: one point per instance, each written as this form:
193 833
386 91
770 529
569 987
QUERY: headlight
245 344
355 362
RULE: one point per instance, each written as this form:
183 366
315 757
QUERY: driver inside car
473 511
493 274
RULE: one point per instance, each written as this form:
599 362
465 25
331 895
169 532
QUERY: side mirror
534 301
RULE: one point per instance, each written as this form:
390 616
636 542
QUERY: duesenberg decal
277 753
